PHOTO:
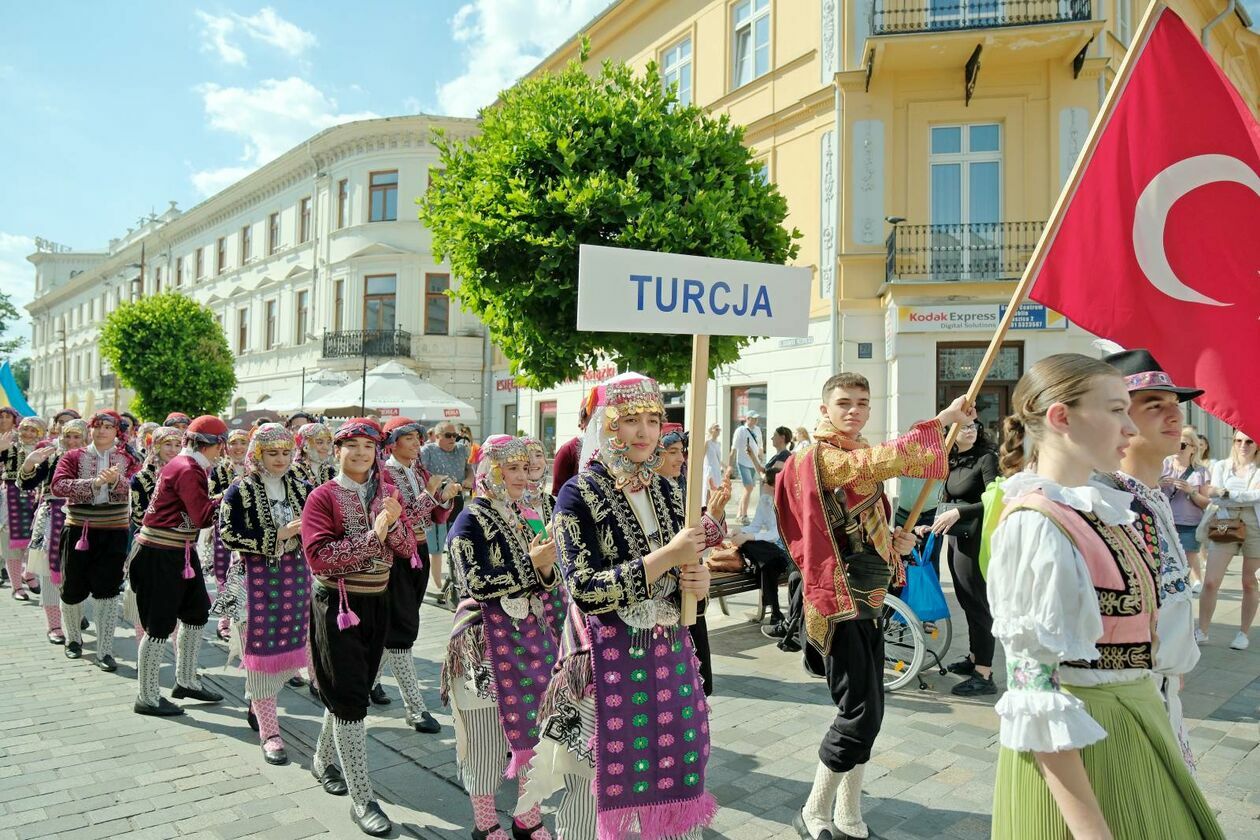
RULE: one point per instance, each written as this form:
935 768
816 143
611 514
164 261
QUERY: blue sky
113 109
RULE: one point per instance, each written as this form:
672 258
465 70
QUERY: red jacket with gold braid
807 498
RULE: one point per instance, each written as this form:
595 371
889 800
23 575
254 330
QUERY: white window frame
755 14
1124 21
963 158
674 64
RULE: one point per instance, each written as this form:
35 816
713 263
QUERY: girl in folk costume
230 467
95 481
165 445
626 724
44 558
1086 745
353 531
268 590
506 637
314 460
19 505
537 498
424 498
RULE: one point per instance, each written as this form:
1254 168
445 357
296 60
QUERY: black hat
1142 373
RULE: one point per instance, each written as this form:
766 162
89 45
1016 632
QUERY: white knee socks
817 810
848 813
187 644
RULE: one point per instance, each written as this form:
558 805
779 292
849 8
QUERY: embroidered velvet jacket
72 481
223 474
246 520
490 553
40 476
314 474
600 543
142 484
339 542
421 508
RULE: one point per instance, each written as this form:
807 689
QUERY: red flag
1158 245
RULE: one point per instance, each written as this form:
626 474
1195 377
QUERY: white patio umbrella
299 394
394 390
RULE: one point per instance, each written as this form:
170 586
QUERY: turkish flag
1159 245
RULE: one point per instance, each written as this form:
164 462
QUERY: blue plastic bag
923 593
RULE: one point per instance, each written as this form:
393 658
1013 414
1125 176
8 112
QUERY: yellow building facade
920 145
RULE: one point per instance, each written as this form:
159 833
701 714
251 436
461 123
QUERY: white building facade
308 263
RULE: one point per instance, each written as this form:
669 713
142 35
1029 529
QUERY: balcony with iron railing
895 17
342 344
960 252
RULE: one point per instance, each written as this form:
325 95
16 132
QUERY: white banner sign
623 290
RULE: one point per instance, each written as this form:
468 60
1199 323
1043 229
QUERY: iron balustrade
355 343
979 251
895 17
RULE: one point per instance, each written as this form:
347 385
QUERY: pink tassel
56 578
82 544
415 559
189 574
346 617
520 761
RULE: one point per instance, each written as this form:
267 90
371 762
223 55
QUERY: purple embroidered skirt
52 542
652 731
278 610
222 557
20 512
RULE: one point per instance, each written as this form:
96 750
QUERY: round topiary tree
172 352
567 159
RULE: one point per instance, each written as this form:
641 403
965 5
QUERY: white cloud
267 26
17 279
271 118
503 40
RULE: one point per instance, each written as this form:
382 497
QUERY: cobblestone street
77 763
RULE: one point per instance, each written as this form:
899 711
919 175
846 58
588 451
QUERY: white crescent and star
1157 199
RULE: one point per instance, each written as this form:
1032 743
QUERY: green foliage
567 159
8 315
22 374
172 352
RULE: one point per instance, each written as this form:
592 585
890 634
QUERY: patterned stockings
72 622
13 564
268 725
351 739
106 621
404 668
148 664
187 644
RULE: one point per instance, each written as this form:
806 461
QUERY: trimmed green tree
172 352
568 159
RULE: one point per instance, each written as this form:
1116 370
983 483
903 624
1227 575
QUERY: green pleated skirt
1137 773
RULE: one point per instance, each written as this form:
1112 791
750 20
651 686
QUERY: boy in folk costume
229 468
164 444
177 420
424 498
19 504
626 697
166 574
314 460
1156 411
835 519
35 476
505 640
353 531
95 482
268 590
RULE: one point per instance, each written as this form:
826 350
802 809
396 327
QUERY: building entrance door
992 404
956 365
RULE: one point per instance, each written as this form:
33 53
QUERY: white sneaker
1196 587
1240 641
1200 637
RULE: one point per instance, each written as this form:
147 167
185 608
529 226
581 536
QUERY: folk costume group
567 669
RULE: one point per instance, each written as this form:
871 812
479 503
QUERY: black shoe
278 756
33 586
313 691
424 722
107 664
20 595
378 695
373 821
252 718
964 667
56 637
84 624
164 708
973 686
331 780
789 645
74 650
774 630
802 830
296 681
478 834
203 694
519 833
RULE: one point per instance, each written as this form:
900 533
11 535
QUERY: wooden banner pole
1149 18
696 416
